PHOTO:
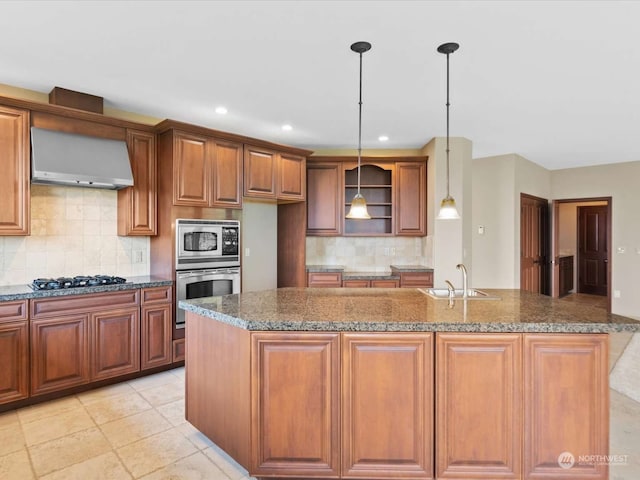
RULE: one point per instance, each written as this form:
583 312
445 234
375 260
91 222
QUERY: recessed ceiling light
221 110
383 138
287 127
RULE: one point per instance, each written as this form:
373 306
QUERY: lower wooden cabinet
566 408
156 327
324 279
14 351
387 406
115 343
478 405
59 353
179 352
295 407
416 279
371 283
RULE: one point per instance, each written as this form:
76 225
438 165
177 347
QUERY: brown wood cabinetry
566 275
295 377
81 338
387 283
156 327
395 189
411 198
387 388
270 174
14 351
566 408
179 350
416 279
206 172
114 343
14 181
324 279
137 205
325 198
59 353
478 397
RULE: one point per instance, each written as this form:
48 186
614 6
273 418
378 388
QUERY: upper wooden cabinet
137 205
14 181
324 198
273 175
395 189
206 172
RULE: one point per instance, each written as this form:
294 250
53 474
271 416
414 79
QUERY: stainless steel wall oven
207 260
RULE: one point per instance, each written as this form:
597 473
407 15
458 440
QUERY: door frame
555 247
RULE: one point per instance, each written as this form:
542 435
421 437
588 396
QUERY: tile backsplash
369 254
73 232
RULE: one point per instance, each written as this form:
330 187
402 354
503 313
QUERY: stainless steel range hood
60 158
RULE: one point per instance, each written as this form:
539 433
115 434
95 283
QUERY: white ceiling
556 82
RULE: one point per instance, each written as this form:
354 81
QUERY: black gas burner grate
75 282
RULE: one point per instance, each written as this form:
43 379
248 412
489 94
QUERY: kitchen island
390 383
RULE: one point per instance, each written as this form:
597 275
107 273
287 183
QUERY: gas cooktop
75 282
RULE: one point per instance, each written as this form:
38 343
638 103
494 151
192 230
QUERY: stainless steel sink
472 294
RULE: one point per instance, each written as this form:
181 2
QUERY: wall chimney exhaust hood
60 158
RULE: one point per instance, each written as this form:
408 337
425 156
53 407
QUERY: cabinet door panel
411 198
137 204
259 172
14 181
478 406
115 343
292 177
324 199
156 336
295 405
59 353
324 279
14 358
387 406
191 171
566 404
227 175
385 283
356 283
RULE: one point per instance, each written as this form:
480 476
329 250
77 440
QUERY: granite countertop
410 268
324 268
21 292
403 310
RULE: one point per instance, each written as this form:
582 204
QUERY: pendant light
448 210
358 208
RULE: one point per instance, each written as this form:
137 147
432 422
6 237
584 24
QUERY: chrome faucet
452 292
465 280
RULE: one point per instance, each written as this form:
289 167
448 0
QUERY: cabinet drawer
416 279
156 295
48 307
385 283
355 283
324 279
12 311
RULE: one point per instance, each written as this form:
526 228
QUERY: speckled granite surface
369 276
324 268
403 310
410 268
21 292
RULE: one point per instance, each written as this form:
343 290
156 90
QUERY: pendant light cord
447 125
360 124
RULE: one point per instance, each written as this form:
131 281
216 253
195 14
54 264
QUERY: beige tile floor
136 429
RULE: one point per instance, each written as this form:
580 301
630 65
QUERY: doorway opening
581 240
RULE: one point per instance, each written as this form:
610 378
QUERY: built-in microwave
207 243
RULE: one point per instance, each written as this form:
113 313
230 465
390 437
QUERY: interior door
534 244
555 248
593 249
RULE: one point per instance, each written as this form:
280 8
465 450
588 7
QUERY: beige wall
620 182
260 236
497 185
73 232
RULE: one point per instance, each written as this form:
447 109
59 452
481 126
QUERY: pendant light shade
448 210
358 208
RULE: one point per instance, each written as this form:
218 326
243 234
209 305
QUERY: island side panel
566 406
218 386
